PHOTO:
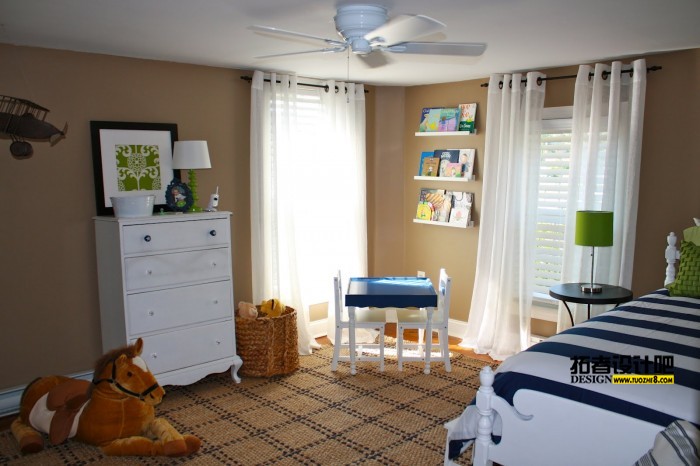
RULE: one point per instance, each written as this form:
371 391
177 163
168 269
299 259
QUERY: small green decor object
178 196
687 282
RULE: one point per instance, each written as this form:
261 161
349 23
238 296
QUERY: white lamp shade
191 155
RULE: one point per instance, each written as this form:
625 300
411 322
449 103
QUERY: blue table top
398 292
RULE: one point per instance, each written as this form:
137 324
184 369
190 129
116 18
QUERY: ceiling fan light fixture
360 46
354 21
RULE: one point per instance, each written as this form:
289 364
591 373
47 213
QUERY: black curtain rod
319 86
571 76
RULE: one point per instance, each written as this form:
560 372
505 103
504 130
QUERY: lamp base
591 288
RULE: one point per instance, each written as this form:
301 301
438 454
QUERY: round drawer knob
213 264
154 355
147 238
216 301
149 272
218 342
151 313
212 232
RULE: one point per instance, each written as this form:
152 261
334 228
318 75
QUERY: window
555 153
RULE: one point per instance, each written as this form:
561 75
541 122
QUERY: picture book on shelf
460 214
451 170
449 118
446 156
423 156
430 166
467 115
466 158
434 205
430 119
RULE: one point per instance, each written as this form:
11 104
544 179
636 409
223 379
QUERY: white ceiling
521 34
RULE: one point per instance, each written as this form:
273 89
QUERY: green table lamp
593 228
191 155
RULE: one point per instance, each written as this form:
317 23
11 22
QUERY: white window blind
555 153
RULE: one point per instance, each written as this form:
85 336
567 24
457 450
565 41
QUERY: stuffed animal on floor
272 308
115 411
247 310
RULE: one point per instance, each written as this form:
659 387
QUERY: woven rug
311 417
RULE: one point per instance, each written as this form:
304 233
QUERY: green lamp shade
594 228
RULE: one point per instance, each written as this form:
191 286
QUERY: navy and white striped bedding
655 324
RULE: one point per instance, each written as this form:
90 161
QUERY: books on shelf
423 156
448 119
439 119
429 119
467 115
447 163
466 158
440 205
429 166
460 213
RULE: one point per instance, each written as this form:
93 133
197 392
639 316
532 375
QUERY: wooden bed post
672 255
486 414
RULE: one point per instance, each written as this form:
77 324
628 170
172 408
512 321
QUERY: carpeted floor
311 417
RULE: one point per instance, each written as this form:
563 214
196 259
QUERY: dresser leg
237 363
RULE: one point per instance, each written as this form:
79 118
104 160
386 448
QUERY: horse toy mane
115 411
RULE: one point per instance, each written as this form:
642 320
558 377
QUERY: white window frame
544 307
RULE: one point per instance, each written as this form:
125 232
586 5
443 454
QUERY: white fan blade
284 32
464 49
326 50
404 28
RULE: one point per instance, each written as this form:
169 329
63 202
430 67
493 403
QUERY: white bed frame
543 429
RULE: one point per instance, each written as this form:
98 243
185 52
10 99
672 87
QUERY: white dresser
167 279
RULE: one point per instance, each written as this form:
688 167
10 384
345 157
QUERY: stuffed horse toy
115 412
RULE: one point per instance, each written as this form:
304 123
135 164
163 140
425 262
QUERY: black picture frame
105 134
178 196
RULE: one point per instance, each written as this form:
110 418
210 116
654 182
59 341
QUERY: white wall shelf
444 224
445 133
444 178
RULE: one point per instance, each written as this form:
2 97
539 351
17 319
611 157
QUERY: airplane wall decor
20 119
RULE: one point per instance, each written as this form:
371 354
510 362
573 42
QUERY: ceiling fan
366 28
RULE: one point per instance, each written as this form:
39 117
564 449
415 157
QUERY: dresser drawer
188 347
154 237
159 310
144 272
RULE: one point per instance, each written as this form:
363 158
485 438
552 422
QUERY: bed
555 403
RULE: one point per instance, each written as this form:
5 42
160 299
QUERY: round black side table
571 292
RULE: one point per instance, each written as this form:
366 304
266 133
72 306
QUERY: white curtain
499 319
308 201
605 159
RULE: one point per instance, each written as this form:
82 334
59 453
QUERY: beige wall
49 305
50 313
669 190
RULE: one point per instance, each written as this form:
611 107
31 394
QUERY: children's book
449 118
434 205
460 214
430 119
430 166
423 156
467 115
452 170
446 156
466 158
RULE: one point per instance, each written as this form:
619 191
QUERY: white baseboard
10 398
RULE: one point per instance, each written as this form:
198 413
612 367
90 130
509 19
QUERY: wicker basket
268 345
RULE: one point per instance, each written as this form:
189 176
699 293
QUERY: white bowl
133 206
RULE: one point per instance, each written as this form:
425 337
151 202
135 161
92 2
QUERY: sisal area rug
311 417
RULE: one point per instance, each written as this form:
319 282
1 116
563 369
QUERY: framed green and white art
132 159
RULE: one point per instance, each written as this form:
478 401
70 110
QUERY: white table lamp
191 155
